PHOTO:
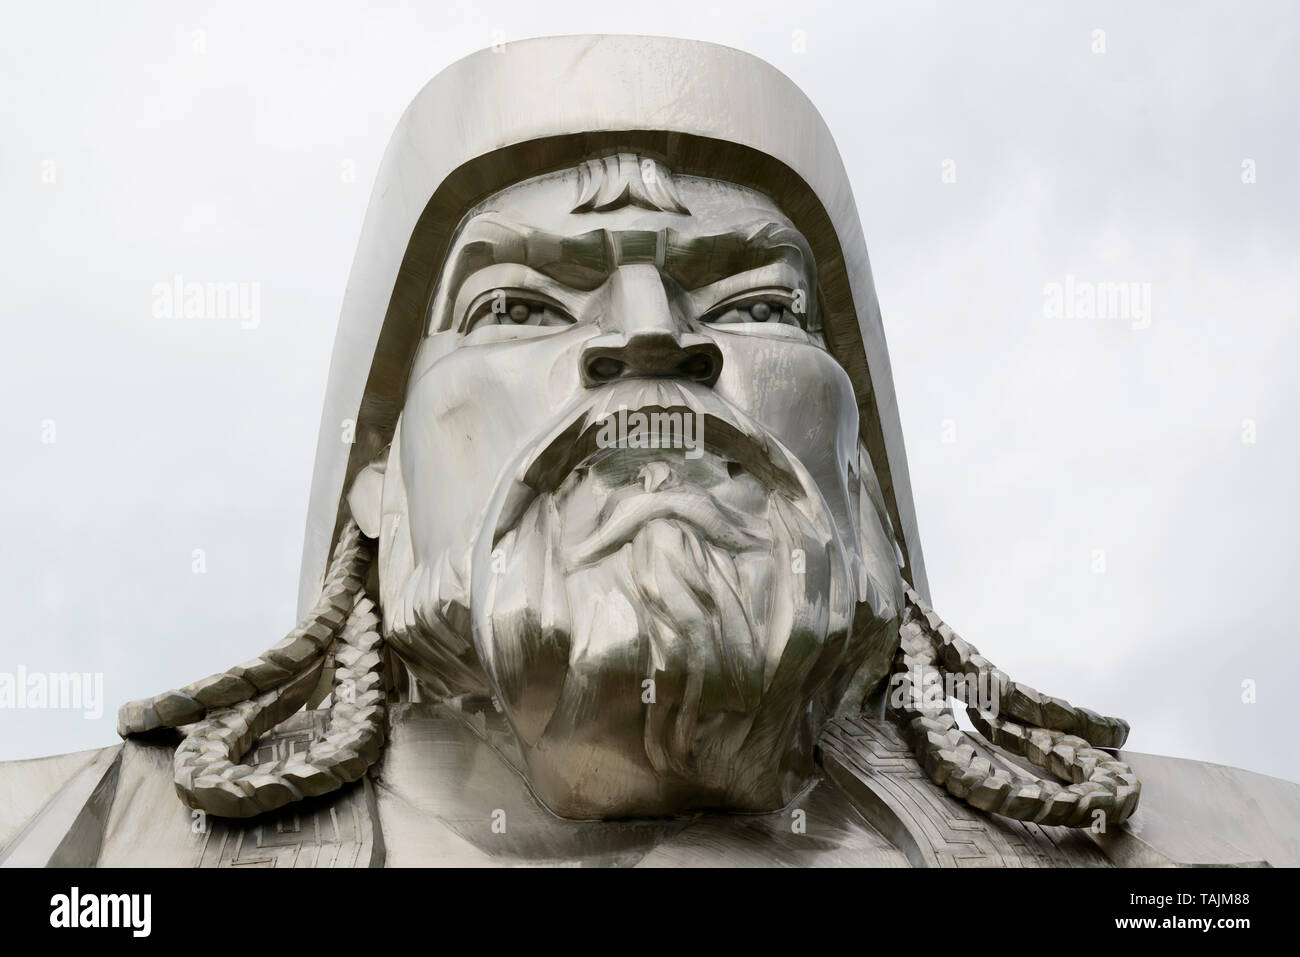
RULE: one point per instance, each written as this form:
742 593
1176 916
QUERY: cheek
803 397
466 418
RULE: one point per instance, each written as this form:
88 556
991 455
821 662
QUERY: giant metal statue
611 554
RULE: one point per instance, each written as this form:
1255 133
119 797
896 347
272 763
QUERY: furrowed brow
585 261
696 261
692 259
581 261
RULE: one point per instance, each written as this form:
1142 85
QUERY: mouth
650 414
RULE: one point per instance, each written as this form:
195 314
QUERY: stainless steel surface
666 628
625 564
445 775
500 116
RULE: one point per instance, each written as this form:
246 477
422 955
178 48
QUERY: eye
505 310
766 309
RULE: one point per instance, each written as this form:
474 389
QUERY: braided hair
1049 732
221 717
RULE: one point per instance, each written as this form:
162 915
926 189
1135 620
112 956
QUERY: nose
645 335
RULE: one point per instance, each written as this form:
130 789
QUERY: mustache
721 429
691 506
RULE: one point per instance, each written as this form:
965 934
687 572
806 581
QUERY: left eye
523 312
771 311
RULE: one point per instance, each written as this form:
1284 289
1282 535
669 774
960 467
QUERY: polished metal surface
616 562
445 794
502 116
665 617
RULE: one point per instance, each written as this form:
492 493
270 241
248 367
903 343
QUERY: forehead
562 203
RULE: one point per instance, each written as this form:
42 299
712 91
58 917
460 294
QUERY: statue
623 565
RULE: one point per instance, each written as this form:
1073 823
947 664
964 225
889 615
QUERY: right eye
505 310
772 309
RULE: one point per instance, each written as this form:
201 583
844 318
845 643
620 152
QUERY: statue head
626 494
610 446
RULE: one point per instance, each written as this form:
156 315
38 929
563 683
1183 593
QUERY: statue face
626 496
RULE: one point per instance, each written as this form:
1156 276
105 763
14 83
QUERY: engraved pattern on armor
948 832
333 831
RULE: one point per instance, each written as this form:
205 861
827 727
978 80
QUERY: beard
664 631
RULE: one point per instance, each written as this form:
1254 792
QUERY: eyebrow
586 260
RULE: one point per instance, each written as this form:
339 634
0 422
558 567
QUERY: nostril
698 366
603 368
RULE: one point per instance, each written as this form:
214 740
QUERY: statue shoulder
1195 813
1191 814
44 801
117 807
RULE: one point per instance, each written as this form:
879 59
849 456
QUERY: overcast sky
1107 504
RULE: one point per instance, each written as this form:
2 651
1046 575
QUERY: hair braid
223 715
1051 733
